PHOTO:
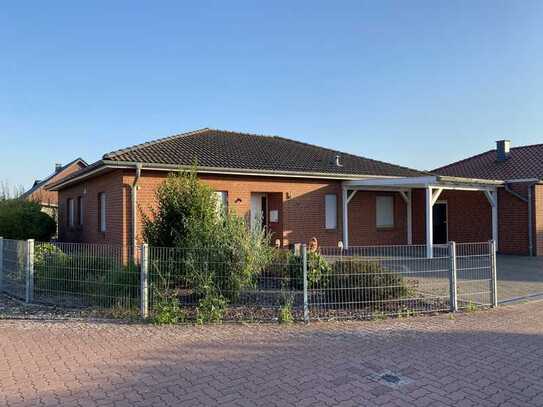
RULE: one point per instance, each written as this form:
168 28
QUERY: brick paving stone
486 358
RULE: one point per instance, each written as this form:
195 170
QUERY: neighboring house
520 201
49 199
297 190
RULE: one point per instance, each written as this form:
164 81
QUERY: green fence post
304 266
453 285
493 273
29 264
144 281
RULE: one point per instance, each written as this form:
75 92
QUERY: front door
440 222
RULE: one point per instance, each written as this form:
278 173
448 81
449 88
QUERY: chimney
58 167
502 149
338 161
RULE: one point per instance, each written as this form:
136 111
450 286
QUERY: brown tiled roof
523 162
231 150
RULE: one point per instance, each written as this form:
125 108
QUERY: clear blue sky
415 83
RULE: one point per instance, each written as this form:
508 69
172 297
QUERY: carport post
29 263
493 273
304 269
453 286
429 223
144 281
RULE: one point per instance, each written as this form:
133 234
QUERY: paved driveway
519 276
488 358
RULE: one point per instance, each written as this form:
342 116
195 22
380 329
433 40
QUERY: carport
433 187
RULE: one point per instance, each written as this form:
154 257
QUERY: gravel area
12 308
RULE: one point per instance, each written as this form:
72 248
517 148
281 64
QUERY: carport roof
436 181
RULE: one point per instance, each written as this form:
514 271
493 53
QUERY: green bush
21 219
364 281
318 270
220 254
285 314
85 280
211 308
168 312
46 251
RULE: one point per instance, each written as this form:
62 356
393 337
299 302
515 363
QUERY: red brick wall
302 202
513 222
301 211
418 204
362 220
469 216
111 184
538 219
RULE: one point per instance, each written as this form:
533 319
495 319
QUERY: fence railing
355 283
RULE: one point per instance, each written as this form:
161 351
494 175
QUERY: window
102 211
330 209
222 201
384 211
71 213
80 211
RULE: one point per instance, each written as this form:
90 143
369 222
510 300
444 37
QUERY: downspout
134 191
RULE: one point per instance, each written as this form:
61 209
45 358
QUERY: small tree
21 219
185 215
220 255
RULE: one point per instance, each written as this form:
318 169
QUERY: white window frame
330 211
71 213
388 223
103 211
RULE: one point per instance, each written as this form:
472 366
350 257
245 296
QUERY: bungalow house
297 190
46 198
520 199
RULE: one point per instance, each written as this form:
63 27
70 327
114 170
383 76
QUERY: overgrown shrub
168 311
211 307
364 281
219 254
285 310
46 251
21 219
318 270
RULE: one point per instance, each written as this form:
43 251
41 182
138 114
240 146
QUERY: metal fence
187 273
75 275
13 267
383 280
355 283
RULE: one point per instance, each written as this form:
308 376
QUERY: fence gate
476 275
